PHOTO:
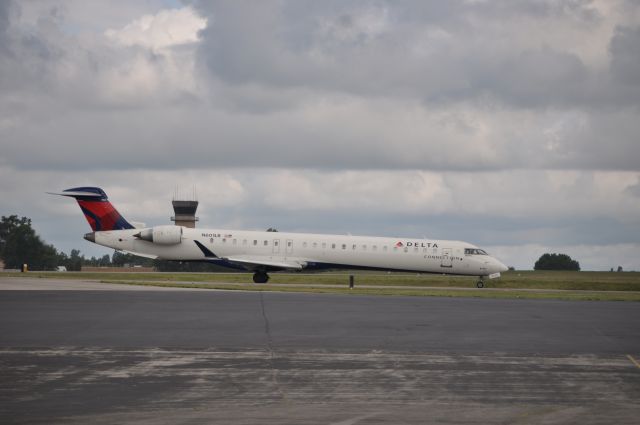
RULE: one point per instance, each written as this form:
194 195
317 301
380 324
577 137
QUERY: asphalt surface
39 284
200 356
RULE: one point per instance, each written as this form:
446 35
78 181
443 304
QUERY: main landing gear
260 277
480 283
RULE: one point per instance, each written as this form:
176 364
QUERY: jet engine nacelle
162 235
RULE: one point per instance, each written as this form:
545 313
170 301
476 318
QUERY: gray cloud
625 56
634 189
504 123
435 51
366 85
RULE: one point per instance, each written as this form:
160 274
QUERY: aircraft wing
253 262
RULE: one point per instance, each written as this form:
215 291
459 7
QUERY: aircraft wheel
480 284
260 277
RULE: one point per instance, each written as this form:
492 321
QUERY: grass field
516 284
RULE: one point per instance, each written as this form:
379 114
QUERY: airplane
262 252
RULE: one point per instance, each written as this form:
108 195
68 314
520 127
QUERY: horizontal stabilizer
77 194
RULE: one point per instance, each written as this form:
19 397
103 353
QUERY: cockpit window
474 251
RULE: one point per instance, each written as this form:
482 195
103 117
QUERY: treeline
19 244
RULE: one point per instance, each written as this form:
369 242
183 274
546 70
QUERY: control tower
184 210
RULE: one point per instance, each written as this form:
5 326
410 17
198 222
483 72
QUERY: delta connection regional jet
263 252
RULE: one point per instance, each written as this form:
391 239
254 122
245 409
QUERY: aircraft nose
501 267
495 266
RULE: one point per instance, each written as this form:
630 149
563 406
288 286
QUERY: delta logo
400 244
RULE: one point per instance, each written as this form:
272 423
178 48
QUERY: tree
556 262
119 259
19 244
74 263
105 261
10 225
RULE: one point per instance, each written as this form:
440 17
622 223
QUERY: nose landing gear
260 277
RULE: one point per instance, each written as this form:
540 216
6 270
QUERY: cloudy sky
513 125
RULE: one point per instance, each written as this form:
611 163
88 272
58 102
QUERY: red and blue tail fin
97 209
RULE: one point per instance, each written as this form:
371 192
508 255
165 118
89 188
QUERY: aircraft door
446 258
276 246
289 246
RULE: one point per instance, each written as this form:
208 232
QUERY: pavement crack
267 328
270 350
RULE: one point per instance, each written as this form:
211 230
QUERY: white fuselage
256 250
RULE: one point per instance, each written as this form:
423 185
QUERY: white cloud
165 29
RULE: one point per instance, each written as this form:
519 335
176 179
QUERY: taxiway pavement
196 356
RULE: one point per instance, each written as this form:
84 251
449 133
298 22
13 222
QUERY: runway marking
634 361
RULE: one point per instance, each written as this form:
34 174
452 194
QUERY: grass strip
430 292
574 281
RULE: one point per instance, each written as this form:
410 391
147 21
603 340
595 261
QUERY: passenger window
255 242
266 243
333 246
364 247
344 246
354 246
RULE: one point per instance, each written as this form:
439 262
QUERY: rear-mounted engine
161 235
